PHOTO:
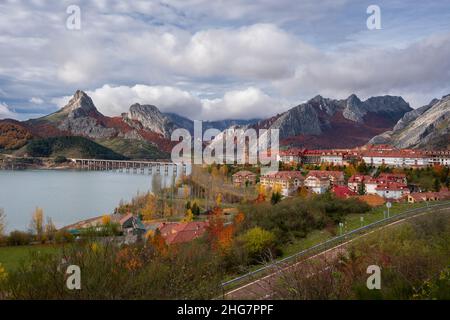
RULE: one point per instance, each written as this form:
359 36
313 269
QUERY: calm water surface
66 196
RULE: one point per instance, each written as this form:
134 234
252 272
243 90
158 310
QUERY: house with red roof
291 156
392 190
343 192
355 181
243 178
182 232
415 197
319 181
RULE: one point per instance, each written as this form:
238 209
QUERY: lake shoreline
66 194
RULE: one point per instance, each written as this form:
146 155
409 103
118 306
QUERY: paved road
262 287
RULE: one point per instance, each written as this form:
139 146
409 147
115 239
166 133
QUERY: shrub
258 241
112 272
63 236
19 238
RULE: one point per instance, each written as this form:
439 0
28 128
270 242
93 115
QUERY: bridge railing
326 245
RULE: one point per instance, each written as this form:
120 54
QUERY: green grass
11 257
313 238
353 221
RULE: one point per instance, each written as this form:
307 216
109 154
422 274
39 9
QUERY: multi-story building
291 156
319 181
392 190
311 156
355 181
371 185
332 157
287 181
438 157
244 178
395 158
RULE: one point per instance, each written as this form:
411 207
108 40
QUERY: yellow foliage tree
276 188
149 208
303 192
2 222
186 191
219 200
106 219
261 189
37 224
351 170
189 216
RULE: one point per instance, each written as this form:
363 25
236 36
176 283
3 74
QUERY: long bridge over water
138 166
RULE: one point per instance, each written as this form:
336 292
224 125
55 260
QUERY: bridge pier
135 167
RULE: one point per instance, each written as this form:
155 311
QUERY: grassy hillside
71 147
134 149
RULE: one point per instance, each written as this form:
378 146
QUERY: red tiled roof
343 192
182 232
284 175
323 173
243 173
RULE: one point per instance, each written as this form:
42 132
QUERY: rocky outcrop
426 127
151 119
81 117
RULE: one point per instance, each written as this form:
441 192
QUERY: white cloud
35 100
190 49
114 100
242 104
419 69
5 112
236 104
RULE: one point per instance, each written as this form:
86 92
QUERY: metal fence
331 243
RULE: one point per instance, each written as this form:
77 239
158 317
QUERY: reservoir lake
67 196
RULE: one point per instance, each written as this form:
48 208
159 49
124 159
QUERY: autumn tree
158 242
106 219
195 209
50 229
37 224
189 216
2 222
261 194
150 207
220 236
258 240
303 192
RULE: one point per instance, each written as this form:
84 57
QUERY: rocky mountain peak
80 105
151 118
353 100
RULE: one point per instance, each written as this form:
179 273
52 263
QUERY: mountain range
144 131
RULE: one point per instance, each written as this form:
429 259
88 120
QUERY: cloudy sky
217 59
